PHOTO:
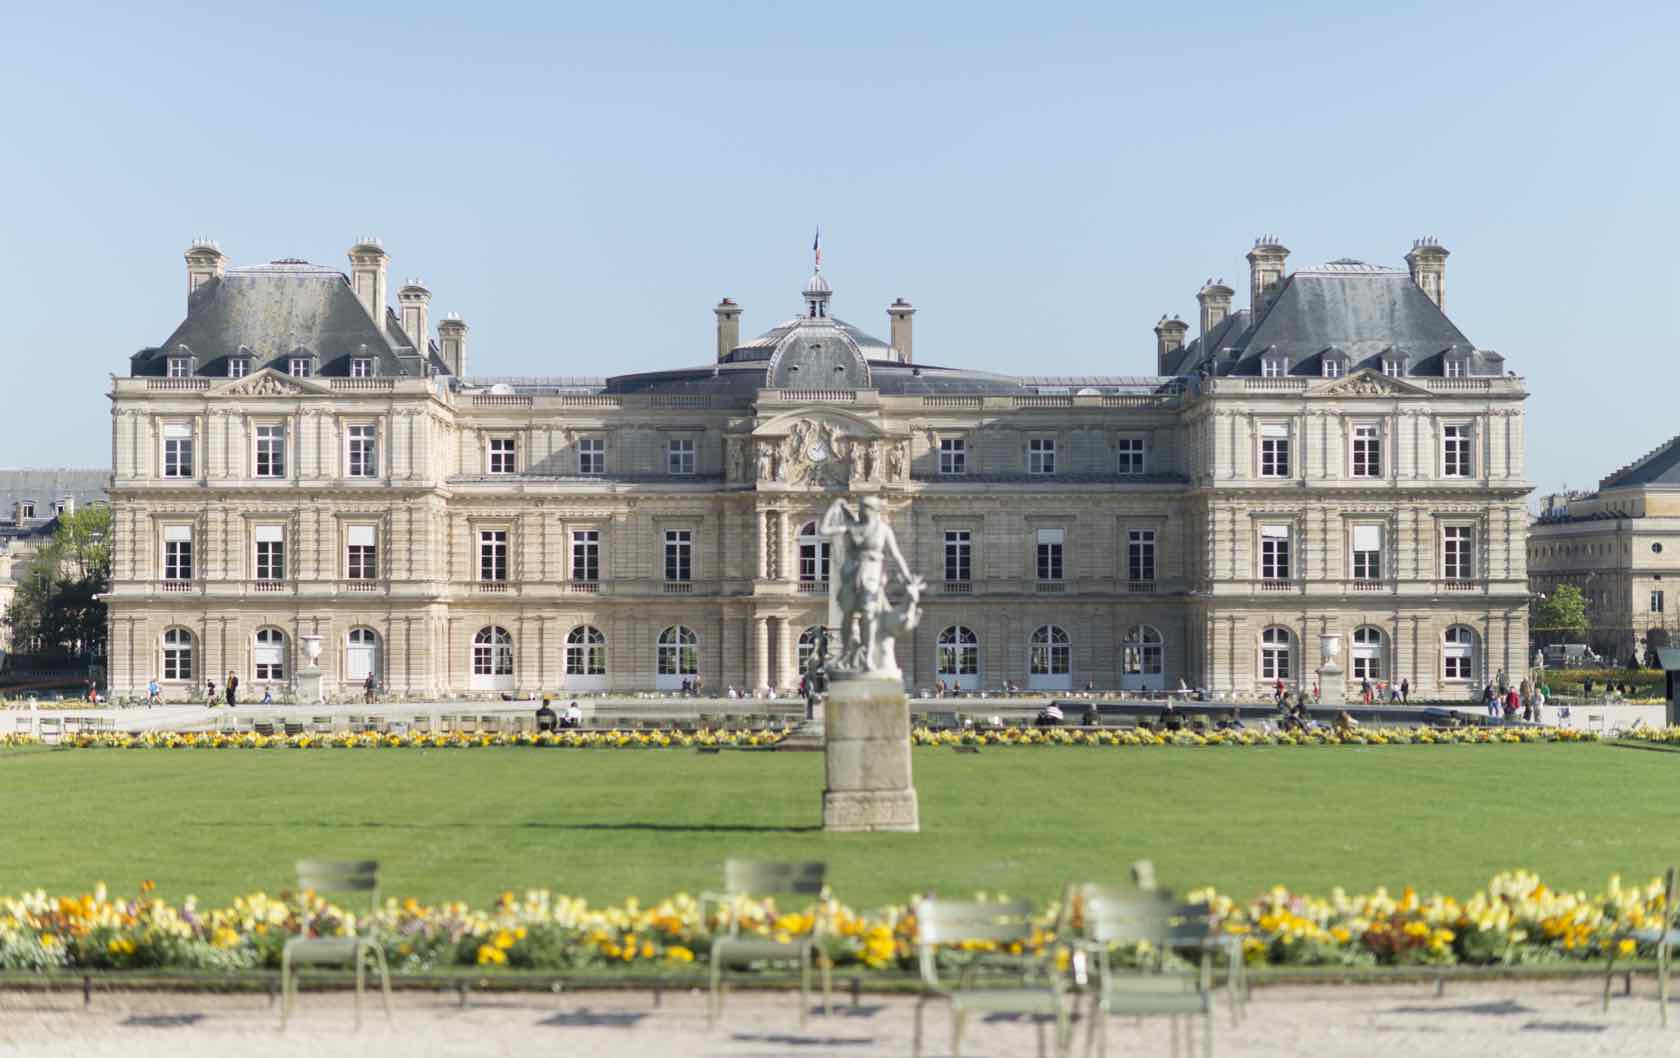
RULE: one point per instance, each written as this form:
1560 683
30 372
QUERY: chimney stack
452 342
1169 339
1215 300
1428 264
369 265
416 302
205 260
1265 273
900 312
728 328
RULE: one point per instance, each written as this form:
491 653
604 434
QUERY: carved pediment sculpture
267 383
1368 383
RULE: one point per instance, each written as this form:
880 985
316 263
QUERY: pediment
804 420
1367 383
268 383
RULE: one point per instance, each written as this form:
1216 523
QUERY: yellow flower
678 953
504 939
225 938
1627 947
489 955
120 946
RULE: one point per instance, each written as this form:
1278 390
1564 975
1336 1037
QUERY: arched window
361 655
492 654
268 659
177 654
679 658
957 658
808 645
1458 654
813 555
1275 643
1050 659
1142 654
1368 653
586 652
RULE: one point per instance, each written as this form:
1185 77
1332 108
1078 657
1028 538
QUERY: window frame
591 457
1453 649
1131 456
1050 553
959 555
492 652
361 561
1041 457
1141 554
1048 655
1460 436
501 455
268 671
585 558
1465 535
1355 551
268 557
953 456
586 651
238 366
1276 553
298 367
679 555
1276 653
815 555
362 367
177 646
1365 451
956 653
177 457
369 457
681 456
178 367
494 553
177 557
1275 451
264 445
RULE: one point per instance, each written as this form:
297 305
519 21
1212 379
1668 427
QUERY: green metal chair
326 877
1114 916
742 878
1229 945
945 922
1665 937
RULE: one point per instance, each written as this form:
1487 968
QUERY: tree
58 603
1563 612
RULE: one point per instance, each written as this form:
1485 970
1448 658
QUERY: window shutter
1051 536
361 536
178 533
1274 429
177 431
270 534
1274 532
1367 538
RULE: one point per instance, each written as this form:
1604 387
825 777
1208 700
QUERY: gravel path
1530 1020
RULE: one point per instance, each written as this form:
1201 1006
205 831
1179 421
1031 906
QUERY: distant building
1621 546
30 503
298 459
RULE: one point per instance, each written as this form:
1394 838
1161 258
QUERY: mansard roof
276 311
1364 311
1660 466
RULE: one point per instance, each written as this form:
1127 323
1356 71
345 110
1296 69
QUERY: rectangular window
177 552
1050 553
26 509
1274 450
1656 602
953 455
361 556
1367 451
1140 554
1274 552
362 457
1272 367
1332 367
679 456
959 554
1455 451
298 367
177 450
1453 368
179 367
501 455
271 451
679 554
238 367
586 554
1456 556
1131 455
271 552
1391 368
493 554
592 455
1367 552
1041 455
361 367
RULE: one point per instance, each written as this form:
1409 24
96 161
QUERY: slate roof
1363 310
275 310
1660 466
45 487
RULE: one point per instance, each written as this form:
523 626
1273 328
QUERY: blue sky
583 182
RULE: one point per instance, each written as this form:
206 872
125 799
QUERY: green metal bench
747 878
1664 936
355 876
1114 916
943 922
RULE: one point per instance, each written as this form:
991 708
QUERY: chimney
1265 273
369 264
1428 263
452 342
728 328
1169 339
416 301
205 260
1215 299
900 312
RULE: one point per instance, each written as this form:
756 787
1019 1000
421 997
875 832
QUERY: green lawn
608 824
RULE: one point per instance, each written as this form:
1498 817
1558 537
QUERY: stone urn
311 650
1330 651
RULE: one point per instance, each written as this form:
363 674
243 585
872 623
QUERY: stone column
787 654
761 653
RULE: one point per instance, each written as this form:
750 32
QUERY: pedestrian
547 718
1365 689
153 696
573 717
268 696
1513 705
1277 690
1316 694
1405 690
210 692
1490 701
232 689
1500 682
367 689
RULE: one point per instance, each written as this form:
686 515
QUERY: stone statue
895 461
766 463
868 619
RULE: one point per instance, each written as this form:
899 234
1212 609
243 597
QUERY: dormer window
1332 367
239 366
361 367
298 367
180 366
1273 366
1393 366
1453 367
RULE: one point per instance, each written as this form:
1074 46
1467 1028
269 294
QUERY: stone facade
629 533
1621 546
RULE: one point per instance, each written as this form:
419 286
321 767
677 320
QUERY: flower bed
670 739
1516 919
1362 736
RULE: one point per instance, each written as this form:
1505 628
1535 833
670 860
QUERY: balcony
958 587
1140 587
813 587
1277 585
1051 587
268 586
1460 585
175 585
679 587
491 587
360 584
584 587
1366 584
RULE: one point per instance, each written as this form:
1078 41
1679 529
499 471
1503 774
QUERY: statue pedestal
1332 685
808 734
309 685
867 754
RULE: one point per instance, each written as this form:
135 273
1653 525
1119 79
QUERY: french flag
816 247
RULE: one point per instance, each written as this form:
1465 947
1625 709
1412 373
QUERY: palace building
300 459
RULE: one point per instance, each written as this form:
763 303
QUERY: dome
817 285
